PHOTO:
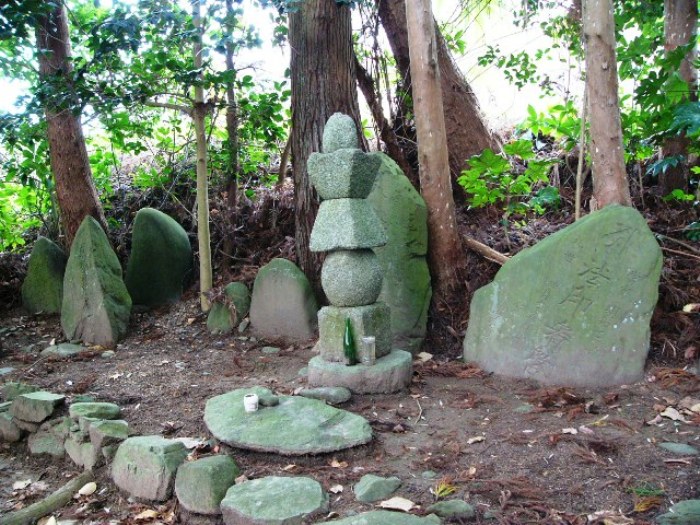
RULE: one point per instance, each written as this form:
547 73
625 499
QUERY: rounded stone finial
340 133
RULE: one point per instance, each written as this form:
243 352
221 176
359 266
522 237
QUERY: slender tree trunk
680 28
386 132
323 82
445 254
467 132
232 142
75 188
199 115
610 184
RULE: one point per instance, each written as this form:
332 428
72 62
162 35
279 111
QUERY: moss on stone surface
42 290
223 317
160 260
96 305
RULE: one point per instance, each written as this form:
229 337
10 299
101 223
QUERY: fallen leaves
475 439
88 489
397 503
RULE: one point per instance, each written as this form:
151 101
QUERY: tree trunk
680 28
445 254
75 188
199 115
323 82
610 184
232 143
386 132
467 132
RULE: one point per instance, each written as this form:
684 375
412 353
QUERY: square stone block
370 320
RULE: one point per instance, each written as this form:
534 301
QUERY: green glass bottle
349 348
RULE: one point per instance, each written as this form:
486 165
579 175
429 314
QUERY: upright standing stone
42 290
160 260
226 314
283 306
96 304
406 287
573 309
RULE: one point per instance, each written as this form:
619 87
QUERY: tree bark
323 82
467 132
445 254
386 132
232 142
199 115
610 185
680 28
75 189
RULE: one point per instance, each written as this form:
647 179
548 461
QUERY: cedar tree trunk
680 28
198 115
610 184
467 132
323 82
445 253
75 188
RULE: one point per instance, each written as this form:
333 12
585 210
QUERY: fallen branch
488 252
684 244
678 252
51 503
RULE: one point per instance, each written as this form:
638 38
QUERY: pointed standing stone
42 290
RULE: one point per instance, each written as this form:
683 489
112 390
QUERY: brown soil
527 468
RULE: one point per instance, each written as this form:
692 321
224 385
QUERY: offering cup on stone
250 402
369 347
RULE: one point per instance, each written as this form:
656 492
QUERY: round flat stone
295 426
274 501
351 278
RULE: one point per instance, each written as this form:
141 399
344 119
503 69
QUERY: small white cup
250 402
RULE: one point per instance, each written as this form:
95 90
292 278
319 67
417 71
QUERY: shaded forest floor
547 455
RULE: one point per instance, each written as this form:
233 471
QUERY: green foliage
509 179
692 231
561 122
679 195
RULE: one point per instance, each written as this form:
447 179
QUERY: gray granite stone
346 224
351 278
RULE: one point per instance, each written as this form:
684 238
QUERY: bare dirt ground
518 452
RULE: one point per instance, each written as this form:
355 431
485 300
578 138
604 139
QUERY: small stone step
35 407
274 500
95 410
201 485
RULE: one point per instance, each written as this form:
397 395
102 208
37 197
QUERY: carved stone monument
348 228
575 308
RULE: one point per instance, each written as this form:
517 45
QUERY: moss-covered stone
351 278
373 488
160 260
35 407
201 485
42 290
96 410
573 309
370 320
226 315
406 285
346 224
283 305
344 174
96 305
340 132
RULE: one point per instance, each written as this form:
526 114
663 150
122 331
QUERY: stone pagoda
348 228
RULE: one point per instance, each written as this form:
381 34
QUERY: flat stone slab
35 407
346 224
385 517
390 373
145 466
97 410
682 513
110 432
274 501
295 426
680 448
62 350
373 488
201 485
575 308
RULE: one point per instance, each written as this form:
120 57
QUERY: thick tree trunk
199 115
610 184
445 254
680 28
467 132
386 132
232 144
323 82
75 189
